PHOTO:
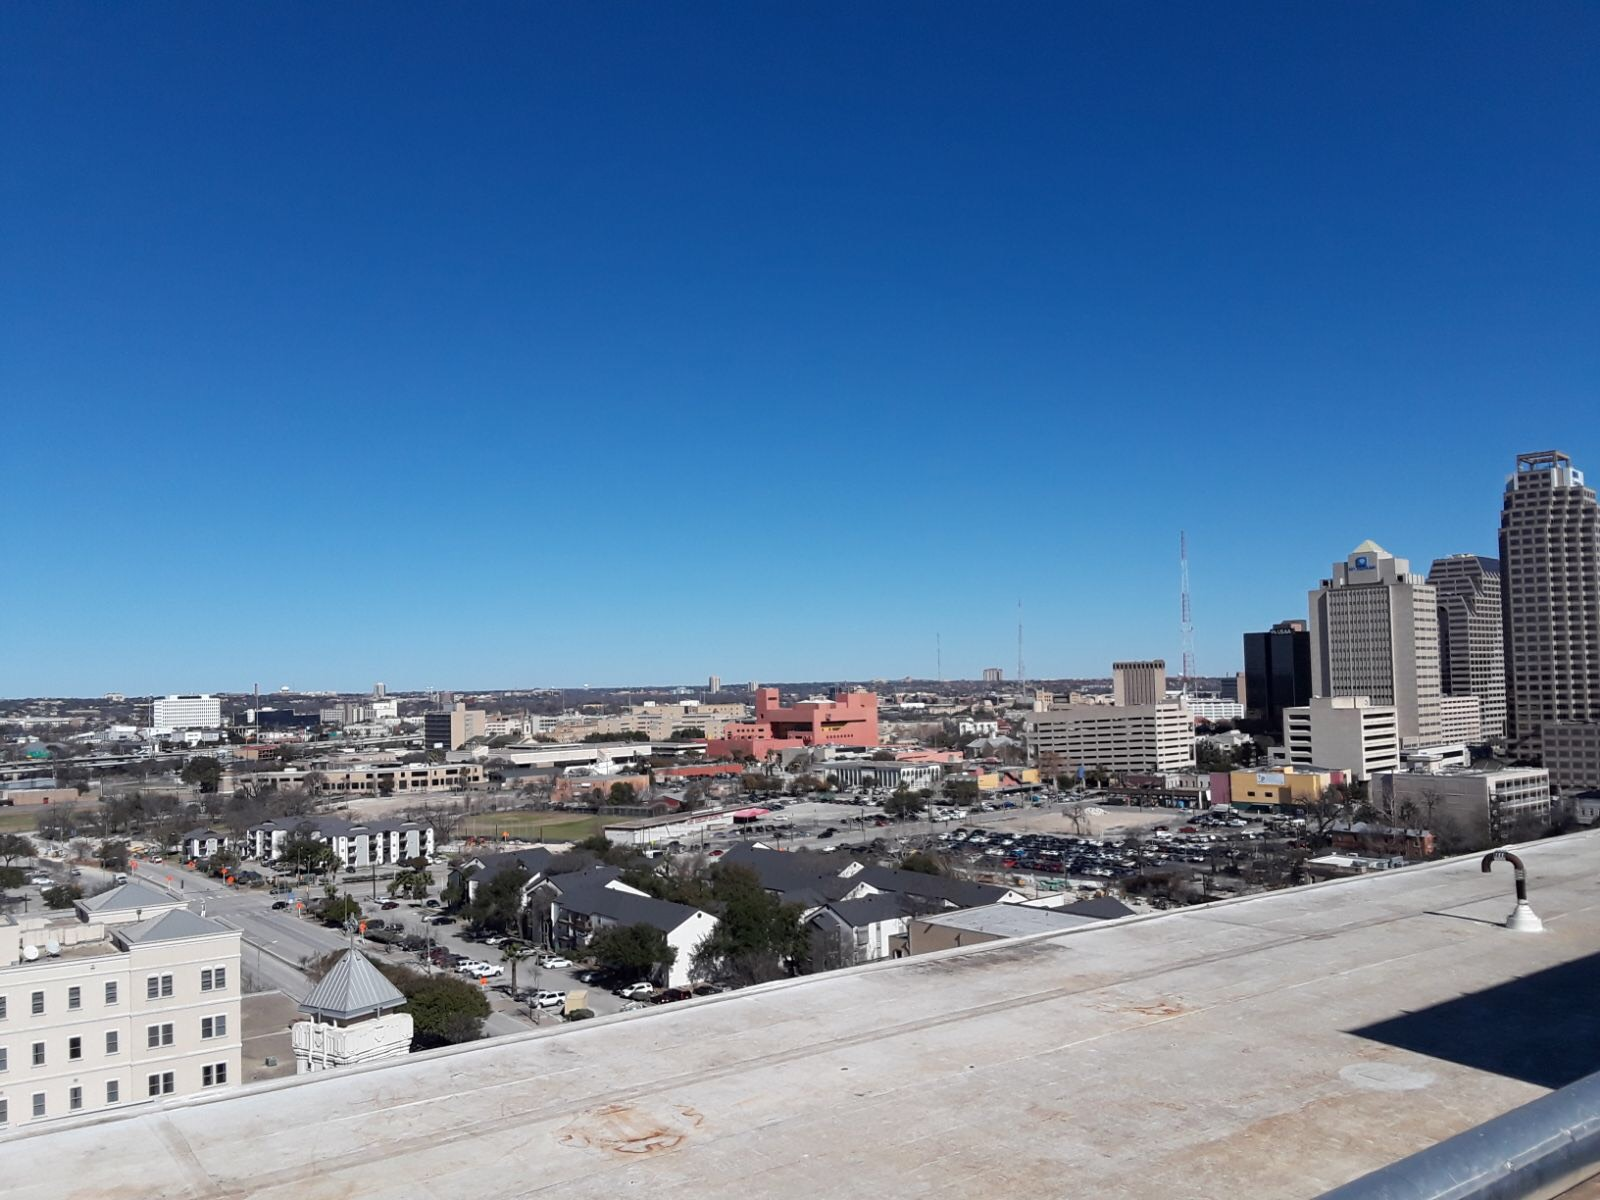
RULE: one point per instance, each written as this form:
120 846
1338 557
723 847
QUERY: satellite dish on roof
31 953
53 948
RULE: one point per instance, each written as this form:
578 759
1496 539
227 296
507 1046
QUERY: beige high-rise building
1139 682
1342 733
1375 633
1472 658
1550 575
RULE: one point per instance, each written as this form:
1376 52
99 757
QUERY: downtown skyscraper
1550 579
1472 651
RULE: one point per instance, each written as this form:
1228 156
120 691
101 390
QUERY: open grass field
18 820
535 826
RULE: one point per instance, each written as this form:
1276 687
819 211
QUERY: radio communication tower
1186 625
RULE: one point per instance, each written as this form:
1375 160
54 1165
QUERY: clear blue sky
505 345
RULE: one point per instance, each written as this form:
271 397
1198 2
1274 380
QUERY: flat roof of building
1271 1046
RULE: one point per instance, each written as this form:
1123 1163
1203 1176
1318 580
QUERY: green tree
622 795
203 772
964 790
638 948
113 856
222 862
12 877
692 733
307 854
498 904
336 910
904 803
512 953
62 897
14 846
412 884
757 937
444 1011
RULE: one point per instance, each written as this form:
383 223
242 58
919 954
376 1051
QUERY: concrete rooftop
1272 1046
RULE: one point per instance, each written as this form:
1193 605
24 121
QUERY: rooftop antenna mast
1186 626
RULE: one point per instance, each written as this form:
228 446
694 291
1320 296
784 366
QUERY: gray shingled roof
128 896
625 908
876 908
169 927
353 987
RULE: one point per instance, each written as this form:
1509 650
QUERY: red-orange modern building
849 719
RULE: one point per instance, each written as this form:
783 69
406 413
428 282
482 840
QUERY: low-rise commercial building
868 774
1482 806
1142 737
130 998
849 719
1268 789
1348 733
369 779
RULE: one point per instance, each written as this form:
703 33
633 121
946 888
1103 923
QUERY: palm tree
513 953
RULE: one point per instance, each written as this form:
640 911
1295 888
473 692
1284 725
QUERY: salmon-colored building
849 719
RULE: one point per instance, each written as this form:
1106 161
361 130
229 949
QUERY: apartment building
356 845
1472 655
1550 578
659 722
1138 682
1346 733
129 999
1375 632
1486 806
1138 737
1212 708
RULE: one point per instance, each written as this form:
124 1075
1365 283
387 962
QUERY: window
3 1063
5 1113
111 991
157 986
38 1004
158 1035
214 1027
75 1047
112 1041
38 1054
2 1008
161 1085
113 1091
74 997
38 1104
210 1076
75 1099
214 979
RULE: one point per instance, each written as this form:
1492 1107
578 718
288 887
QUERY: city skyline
542 347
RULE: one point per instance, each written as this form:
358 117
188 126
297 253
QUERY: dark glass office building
1277 671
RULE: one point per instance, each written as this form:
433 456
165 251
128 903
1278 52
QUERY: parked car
670 995
635 991
387 905
548 999
446 920
375 923
430 903
41 881
279 905
472 966
555 962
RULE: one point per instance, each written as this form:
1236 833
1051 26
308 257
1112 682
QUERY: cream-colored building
1461 719
1342 733
454 727
369 779
1137 737
660 721
130 999
1375 633
1139 682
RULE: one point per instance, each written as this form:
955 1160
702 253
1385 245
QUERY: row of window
156 1036
161 1084
212 979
